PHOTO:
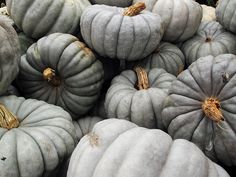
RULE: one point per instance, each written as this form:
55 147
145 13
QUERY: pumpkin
125 34
121 148
225 14
119 3
37 18
9 54
209 13
166 56
181 17
210 39
61 70
25 42
5 14
34 137
137 96
201 105
12 91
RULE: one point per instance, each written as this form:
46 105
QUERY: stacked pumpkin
159 64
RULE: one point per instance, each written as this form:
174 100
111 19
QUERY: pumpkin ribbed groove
7 119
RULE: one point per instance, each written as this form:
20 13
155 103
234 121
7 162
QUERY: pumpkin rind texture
112 34
25 42
9 54
44 138
79 73
183 114
181 17
210 39
209 13
118 3
37 18
143 107
166 56
225 14
120 147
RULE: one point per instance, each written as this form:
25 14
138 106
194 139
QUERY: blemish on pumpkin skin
83 47
93 139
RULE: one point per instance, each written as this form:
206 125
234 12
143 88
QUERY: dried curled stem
143 82
50 76
134 9
211 108
7 119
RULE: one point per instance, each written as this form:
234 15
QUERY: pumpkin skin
122 148
176 29
225 14
209 13
112 34
183 113
166 56
37 18
118 3
25 42
79 73
143 107
12 91
9 54
44 138
210 39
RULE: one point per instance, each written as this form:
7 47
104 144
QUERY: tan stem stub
134 9
208 39
211 108
51 77
7 119
143 82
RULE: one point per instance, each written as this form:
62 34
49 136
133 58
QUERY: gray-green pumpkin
35 137
37 18
201 107
61 70
181 17
137 95
122 149
125 34
9 54
210 39
25 42
166 56
225 14
118 3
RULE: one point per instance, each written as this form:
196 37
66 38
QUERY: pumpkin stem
143 82
211 108
50 76
7 119
208 39
134 9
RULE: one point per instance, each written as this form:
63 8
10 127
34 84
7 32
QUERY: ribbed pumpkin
225 14
61 70
208 13
118 3
37 18
201 107
210 39
122 149
12 91
181 17
166 56
34 137
137 95
126 34
9 54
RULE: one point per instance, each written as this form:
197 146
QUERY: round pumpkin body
166 56
181 17
141 106
122 148
9 54
44 137
60 70
201 107
210 39
37 18
112 34
118 3
225 14
209 13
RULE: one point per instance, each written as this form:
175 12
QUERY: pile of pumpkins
123 88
